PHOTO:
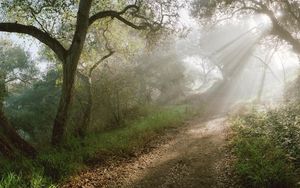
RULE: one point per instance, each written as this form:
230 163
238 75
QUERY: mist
233 52
158 93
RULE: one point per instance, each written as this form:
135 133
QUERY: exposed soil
193 156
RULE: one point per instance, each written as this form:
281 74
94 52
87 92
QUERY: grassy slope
53 165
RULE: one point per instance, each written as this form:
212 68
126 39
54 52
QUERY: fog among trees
89 87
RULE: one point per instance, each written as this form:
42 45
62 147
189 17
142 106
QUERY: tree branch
118 15
289 8
110 53
42 36
281 32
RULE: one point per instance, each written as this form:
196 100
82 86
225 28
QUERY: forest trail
192 157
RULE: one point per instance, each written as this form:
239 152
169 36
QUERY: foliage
10 180
23 106
58 18
267 147
125 85
23 173
15 62
116 96
16 67
162 75
260 164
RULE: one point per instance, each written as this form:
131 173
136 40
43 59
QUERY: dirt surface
193 156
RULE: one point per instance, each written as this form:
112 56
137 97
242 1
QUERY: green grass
53 165
267 147
262 164
135 136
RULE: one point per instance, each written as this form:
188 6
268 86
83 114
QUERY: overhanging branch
42 36
118 15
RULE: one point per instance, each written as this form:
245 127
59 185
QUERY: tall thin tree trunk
261 86
86 120
87 79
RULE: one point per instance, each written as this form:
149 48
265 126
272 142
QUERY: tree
40 97
87 79
265 64
162 72
106 69
283 14
15 66
51 22
106 49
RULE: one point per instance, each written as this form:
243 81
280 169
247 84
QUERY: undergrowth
267 147
53 165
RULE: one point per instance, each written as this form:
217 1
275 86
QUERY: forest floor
193 155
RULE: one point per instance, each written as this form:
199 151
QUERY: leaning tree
15 66
63 26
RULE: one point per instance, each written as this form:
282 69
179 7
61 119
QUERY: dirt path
191 158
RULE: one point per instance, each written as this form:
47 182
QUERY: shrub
267 147
260 164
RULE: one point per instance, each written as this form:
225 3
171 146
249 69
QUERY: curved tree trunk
8 130
282 33
6 149
15 139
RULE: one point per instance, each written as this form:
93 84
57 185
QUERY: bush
267 147
260 164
